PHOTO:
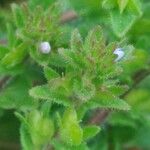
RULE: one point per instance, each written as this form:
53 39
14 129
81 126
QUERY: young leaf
18 15
90 131
83 89
71 132
46 109
44 92
94 39
76 41
50 73
41 127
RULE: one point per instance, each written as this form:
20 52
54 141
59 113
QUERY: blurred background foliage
123 130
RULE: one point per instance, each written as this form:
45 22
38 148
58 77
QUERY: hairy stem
68 16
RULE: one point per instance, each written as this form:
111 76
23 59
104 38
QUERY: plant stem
68 16
3 81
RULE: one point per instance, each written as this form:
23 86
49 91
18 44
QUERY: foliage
103 66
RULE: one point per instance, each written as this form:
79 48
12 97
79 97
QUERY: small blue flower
120 53
45 47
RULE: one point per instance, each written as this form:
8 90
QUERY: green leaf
90 131
37 56
50 73
143 135
135 7
108 104
60 145
82 146
22 119
141 101
123 18
122 5
109 4
57 60
58 118
11 35
45 3
3 50
15 56
76 41
71 132
26 141
83 89
41 127
121 23
18 15
101 141
94 39
4 71
45 92
15 95
46 109
122 119
81 111
72 59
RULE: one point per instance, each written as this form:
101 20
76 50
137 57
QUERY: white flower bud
45 47
120 53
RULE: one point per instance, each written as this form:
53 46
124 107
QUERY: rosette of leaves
89 80
29 28
18 69
89 76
